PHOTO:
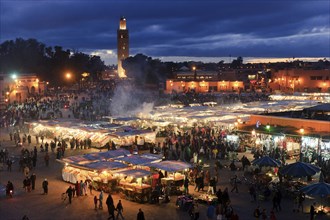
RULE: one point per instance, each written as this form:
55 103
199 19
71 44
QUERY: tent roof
87 158
323 107
105 165
137 160
136 173
171 165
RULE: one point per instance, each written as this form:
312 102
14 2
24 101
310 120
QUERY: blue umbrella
320 189
299 169
266 161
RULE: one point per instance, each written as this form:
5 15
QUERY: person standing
90 186
33 180
279 199
140 215
312 211
9 163
196 211
34 160
100 200
95 202
210 212
47 159
111 208
272 215
301 199
120 210
69 191
45 186
186 185
29 139
26 171
77 188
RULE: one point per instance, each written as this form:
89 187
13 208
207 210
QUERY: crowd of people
197 145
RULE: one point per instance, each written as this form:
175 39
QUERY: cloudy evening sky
175 28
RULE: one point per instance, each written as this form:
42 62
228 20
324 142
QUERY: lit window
124 48
121 36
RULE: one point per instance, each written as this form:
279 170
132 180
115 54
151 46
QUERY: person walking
140 215
45 186
69 191
120 210
234 184
33 180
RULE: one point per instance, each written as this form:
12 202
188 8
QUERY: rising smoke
129 101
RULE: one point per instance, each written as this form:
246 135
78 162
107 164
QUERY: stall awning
79 159
137 159
135 173
170 165
105 165
94 157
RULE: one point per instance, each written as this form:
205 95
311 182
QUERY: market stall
95 167
99 173
134 184
172 172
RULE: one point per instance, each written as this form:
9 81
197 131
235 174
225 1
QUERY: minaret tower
122 46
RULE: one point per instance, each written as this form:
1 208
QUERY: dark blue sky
159 28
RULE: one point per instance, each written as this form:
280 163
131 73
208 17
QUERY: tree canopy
49 63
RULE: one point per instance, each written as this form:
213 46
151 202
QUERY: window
124 48
121 36
316 77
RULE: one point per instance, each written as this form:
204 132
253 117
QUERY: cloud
175 28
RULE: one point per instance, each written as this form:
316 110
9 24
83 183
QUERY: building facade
19 87
301 80
122 45
202 82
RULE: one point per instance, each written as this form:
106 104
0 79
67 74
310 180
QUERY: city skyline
176 30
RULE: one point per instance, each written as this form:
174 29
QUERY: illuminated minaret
122 46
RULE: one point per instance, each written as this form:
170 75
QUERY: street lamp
195 73
68 75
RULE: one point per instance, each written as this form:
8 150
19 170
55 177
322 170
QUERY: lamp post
302 131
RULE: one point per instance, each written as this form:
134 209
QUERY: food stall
99 173
173 173
134 184
95 167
